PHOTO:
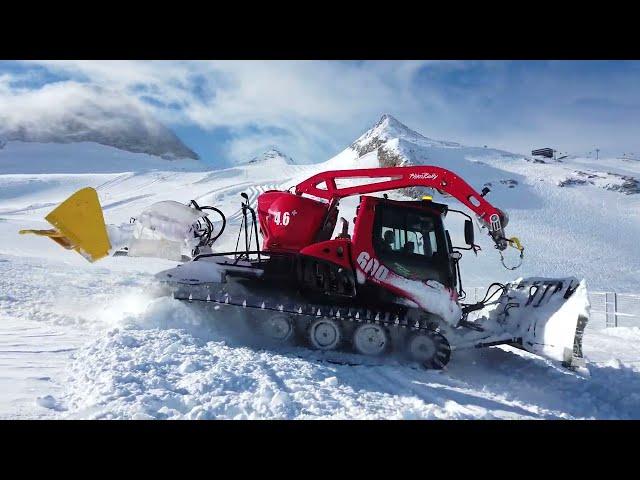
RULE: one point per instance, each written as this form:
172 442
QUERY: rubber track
354 315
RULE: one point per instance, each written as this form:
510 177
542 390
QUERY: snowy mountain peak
272 155
390 143
389 128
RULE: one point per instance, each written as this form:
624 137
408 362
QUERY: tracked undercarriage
329 326
377 327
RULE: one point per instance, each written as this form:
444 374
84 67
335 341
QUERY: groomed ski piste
95 341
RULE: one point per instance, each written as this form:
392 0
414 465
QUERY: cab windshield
411 242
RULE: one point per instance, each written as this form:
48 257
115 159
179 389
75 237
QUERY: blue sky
233 110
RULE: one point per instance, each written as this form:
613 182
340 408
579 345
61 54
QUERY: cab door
411 242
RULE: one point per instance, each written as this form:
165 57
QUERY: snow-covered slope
92 341
82 157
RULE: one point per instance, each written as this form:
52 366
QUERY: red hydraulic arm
393 178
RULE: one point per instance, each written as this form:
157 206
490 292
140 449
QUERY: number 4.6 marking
281 218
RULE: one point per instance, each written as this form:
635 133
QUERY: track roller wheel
370 339
431 349
278 327
325 334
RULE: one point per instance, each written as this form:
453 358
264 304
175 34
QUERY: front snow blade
547 317
79 225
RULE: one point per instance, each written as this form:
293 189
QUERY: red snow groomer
394 284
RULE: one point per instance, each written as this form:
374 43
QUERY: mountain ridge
92 114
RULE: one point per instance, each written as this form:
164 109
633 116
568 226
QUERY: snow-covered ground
84 340
95 343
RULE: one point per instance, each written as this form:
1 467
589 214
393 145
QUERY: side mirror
468 232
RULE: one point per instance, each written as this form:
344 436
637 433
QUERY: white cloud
44 109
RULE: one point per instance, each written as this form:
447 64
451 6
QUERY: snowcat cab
419 249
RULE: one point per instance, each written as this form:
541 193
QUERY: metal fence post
607 310
615 309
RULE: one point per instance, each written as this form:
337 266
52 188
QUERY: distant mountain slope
396 145
82 157
91 114
390 143
271 156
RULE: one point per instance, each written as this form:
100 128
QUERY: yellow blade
79 225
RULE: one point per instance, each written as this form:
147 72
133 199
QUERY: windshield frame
415 265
